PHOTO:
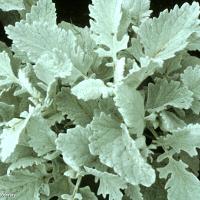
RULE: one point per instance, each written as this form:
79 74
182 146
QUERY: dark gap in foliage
61 127
51 180
50 171
54 198
148 135
157 5
159 150
145 83
89 181
149 138
7 18
195 53
75 11
60 156
199 175
74 181
3 35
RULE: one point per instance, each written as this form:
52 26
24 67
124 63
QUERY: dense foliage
119 101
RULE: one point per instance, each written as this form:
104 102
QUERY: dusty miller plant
118 100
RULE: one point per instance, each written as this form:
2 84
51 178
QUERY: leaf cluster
119 101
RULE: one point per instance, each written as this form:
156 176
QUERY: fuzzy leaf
86 193
130 104
12 135
194 42
42 139
186 139
196 106
181 184
7 75
21 151
138 74
109 184
162 37
169 121
56 63
38 38
133 192
23 184
74 147
106 28
24 76
172 65
191 79
24 162
164 93
95 89
6 111
44 11
115 143
80 112
11 5
42 42
136 10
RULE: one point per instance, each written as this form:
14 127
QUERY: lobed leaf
74 147
130 104
162 37
164 93
181 184
110 184
110 141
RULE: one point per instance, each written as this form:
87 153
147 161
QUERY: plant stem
153 132
76 186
